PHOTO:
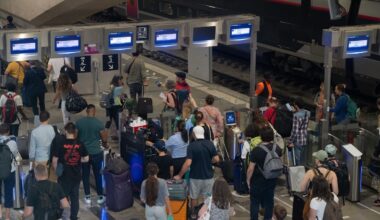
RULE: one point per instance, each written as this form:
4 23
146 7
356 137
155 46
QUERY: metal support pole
328 56
18 201
252 73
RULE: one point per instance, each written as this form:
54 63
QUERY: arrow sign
111 62
82 64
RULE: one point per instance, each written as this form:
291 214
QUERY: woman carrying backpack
155 194
116 101
324 203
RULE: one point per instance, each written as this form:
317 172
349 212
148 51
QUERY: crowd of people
61 161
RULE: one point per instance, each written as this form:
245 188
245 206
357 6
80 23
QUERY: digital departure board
68 44
166 37
120 40
24 46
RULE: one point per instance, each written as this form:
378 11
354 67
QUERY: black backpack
341 171
49 203
71 73
284 121
6 158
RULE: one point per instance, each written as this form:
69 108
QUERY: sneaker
87 199
101 200
376 202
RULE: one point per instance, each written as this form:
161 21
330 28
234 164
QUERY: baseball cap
199 132
320 155
330 149
181 75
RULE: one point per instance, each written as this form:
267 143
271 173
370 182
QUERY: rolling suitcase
299 200
144 105
293 174
119 191
240 176
179 209
177 189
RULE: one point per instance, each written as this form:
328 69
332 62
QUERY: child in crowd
155 194
221 202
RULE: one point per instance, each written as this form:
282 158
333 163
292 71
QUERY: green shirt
89 129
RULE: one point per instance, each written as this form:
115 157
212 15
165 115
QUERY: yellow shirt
16 70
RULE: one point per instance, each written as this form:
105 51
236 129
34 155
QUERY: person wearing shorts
201 154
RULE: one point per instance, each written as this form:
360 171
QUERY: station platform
225 99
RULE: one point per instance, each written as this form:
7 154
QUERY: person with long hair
199 121
155 195
221 198
63 88
117 91
321 194
177 146
212 116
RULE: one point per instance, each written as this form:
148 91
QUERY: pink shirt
214 118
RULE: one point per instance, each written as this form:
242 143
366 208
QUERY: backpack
75 103
48 203
182 96
283 122
70 72
9 111
333 211
352 109
6 159
273 166
342 175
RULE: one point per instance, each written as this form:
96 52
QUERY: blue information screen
357 44
167 37
120 40
24 46
240 31
230 118
201 34
68 44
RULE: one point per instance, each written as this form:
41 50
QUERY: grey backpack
273 166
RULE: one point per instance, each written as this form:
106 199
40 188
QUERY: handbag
75 103
207 214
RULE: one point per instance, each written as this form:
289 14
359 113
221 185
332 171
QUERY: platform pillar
200 63
252 73
328 56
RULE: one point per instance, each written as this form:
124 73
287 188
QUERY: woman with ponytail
177 146
155 194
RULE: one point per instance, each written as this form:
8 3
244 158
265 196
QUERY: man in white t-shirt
12 120
54 68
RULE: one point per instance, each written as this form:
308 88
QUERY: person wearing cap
319 169
201 154
136 76
331 151
162 159
263 90
183 91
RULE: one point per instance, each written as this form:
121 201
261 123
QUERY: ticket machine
352 157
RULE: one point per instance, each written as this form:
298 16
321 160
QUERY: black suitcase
299 200
240 177
227 167
144 106
119 191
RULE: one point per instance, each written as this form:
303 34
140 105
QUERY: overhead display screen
142 33
68 44
167 37
230 117
120 40
357 44
24 46
201 34
240 31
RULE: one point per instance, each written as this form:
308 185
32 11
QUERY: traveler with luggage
199 121
320 170
64 86
162 159
15 73
47 199
136 76
212 116
177 145
54 69
40 140
93 135
324 204
319 100
11 106
155 195
183 92
8 156
298 137
341 108
67 164
263 90
270 113
35 88
170 96
201 154
219 204
264 168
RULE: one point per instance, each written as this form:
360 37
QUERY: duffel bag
115 164
177 189
75 103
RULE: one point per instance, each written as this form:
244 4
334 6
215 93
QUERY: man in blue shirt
340 109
